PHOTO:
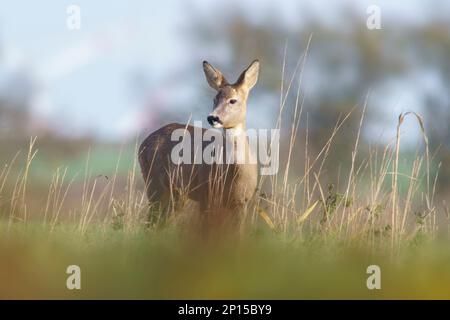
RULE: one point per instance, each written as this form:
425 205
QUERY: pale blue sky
82 77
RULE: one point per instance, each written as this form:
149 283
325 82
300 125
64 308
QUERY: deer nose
213 120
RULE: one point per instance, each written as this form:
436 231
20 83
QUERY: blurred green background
91 95
134 67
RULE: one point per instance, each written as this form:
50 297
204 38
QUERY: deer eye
233 101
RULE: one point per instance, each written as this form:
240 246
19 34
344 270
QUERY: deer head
230 102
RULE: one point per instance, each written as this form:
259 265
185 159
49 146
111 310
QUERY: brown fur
216 186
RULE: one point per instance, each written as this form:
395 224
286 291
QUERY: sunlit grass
171 264
307 233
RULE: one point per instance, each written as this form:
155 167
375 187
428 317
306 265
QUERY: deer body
216 185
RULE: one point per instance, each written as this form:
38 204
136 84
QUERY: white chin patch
217 125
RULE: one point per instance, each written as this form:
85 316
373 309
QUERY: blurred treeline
346 62
343 64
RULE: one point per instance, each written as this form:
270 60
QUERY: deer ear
214 77
249 77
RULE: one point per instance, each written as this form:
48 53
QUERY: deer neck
236 132
237 137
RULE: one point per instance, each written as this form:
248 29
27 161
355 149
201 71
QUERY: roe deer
215 186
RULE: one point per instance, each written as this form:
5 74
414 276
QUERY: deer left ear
215 78
249 77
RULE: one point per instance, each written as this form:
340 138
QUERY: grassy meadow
300 237
310 231
359 91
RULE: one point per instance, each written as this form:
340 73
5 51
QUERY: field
300 238
165 265
356 91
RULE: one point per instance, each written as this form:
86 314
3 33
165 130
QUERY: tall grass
370 207
362 206
364 203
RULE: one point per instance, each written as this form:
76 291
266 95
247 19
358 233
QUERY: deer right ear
249 77
214 77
